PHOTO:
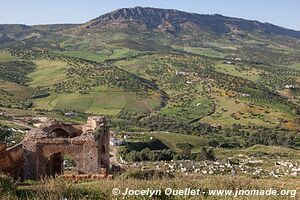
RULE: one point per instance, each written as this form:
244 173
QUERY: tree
206 154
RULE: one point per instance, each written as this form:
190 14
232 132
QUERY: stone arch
60 133
54 165
51 157
63 131
88 151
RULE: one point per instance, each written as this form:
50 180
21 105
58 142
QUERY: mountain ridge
175 21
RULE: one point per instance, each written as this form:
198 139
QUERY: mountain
143 28
12 33
174 21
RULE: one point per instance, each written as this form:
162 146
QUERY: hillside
176 27
235 81
174 21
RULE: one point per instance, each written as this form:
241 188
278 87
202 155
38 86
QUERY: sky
284 13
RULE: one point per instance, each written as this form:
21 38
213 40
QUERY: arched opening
58 164
60 133
54 165
70 166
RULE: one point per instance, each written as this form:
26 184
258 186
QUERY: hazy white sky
285 13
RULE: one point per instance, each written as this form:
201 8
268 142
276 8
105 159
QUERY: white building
115 142
290 86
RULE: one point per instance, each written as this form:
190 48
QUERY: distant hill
142 28
10 33
174 21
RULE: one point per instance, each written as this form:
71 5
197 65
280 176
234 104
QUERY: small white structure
245 95
290 87
71 114
115 142
181 73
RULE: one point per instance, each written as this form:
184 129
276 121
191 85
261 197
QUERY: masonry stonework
44 148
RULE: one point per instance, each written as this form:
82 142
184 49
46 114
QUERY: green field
295 66
99 56
229 112
171 139
133 66
18 91
47 73
5 56
107 101
251 74
201 51
198 108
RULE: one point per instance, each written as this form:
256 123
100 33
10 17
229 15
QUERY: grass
97 103
101 100
6 56
47 73
142 105
201 51
227 108
133 66
171 139
5 123
295 66
123 53
106 101
260 151
18 91
275 106
99 56
198 108
251 74
51 189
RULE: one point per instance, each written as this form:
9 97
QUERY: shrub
184 146
147 175
7 185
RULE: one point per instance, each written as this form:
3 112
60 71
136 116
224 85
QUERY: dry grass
54 189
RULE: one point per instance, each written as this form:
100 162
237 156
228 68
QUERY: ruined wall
71 129
2 147
103 148
84 152
41 153
87 144
11 160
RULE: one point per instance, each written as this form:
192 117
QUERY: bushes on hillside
147 175
147 155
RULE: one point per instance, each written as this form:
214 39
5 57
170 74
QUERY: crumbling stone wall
43 148
11 160
2 147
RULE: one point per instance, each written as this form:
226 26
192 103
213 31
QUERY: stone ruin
41 153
